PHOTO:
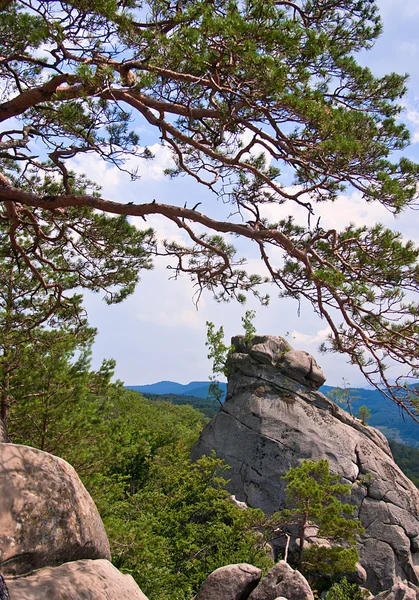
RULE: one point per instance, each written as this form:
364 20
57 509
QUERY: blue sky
157 333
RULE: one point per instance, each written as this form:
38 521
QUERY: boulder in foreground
80 580
233 582
282 581
47 517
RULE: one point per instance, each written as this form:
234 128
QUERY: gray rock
302 367
360 575
233 582
283 581
273 418
80 580
401 590
46 515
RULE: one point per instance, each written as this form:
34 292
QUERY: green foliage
322 563
314 499
179 526
248 326
169 521
198 75
364 414
343 395
208 407
218 353
407 459
58 403
37 292
343 590
217 348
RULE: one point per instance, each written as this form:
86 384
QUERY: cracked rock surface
52 541
274 417
46 515
82 579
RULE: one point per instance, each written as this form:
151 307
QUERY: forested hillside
385 415
408 460
206 406
168 521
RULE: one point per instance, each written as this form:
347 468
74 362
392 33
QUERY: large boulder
401 590
282 581
80 580
273 417
233 582
46 515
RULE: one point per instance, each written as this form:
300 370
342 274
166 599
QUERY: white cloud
410 48
145 334
185 319
153 169
109 176
405 9
308 340
96 169
409 7
412 117
345 210
257 149
165 229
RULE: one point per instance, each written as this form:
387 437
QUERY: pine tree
364 414
241 93
314 498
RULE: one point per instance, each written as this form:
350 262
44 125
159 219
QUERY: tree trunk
302 535
5 393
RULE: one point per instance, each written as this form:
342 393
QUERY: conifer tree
38 279
242 93
314 496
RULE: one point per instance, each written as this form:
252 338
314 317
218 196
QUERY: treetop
248 96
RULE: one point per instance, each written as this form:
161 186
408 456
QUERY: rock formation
274 417
49 526
282 581
83 579
46 517
233 582
242 582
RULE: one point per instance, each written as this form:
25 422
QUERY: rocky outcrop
233 582
282 581
274 417
46 515
402 590
50 530
242 582
83 579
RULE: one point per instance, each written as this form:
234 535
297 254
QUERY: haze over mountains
385 415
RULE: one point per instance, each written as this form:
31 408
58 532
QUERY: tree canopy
249 96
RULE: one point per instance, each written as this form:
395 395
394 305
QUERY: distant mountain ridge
385 416
198 389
